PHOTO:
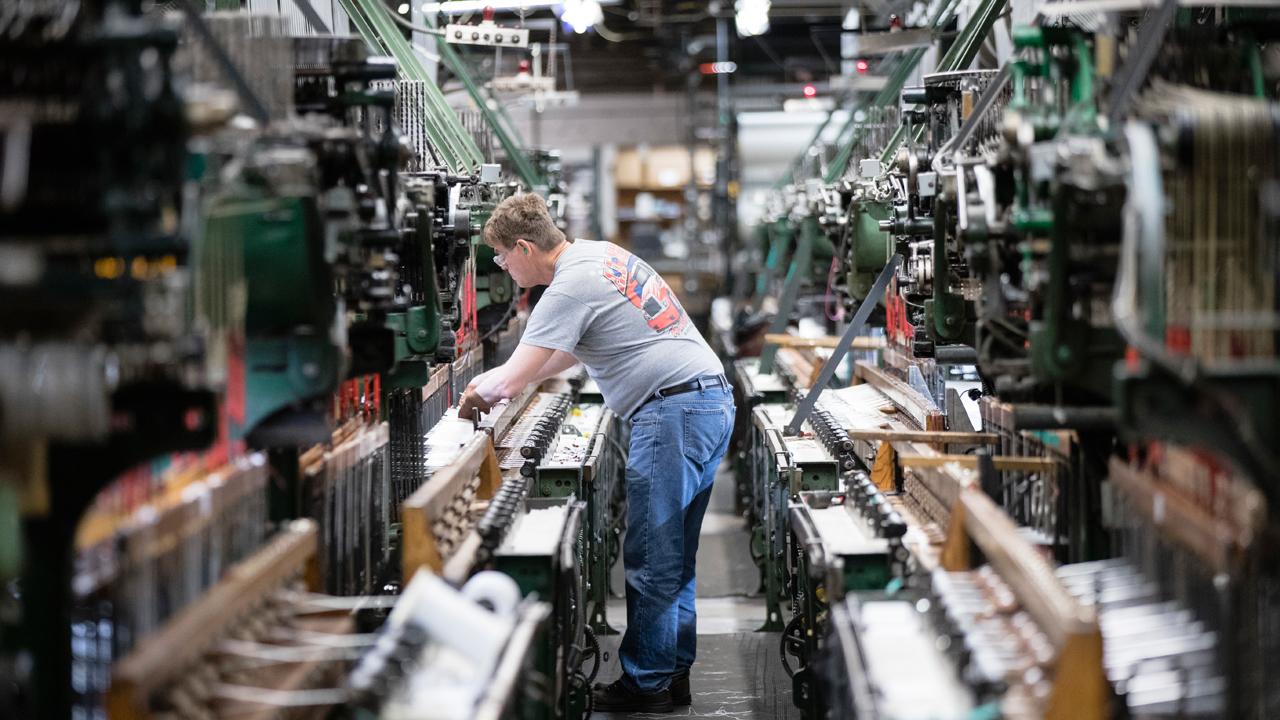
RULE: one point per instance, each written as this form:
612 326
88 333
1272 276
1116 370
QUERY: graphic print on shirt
645 289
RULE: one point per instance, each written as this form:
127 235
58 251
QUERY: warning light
862 66
810 91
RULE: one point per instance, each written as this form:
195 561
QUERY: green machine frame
778 475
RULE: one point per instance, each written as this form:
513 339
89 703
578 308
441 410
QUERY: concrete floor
738 673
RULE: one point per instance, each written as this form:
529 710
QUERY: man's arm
559 362
504 381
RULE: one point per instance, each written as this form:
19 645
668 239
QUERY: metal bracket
842 349
489 34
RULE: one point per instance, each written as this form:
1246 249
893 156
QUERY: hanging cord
838 315
497 328
406 24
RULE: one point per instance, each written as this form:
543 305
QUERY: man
608 309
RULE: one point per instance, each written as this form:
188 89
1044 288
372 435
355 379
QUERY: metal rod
1051 417
837 356
956 355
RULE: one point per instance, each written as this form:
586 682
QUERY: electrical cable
406 24
510 313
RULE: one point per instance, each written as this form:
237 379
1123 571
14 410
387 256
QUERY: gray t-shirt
609 309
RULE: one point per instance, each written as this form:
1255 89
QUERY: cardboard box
666 167
628 169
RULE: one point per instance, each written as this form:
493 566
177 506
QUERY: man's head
525 238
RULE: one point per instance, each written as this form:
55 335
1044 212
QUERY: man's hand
472 404
504 381
475 381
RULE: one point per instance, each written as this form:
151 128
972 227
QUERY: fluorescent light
822 104
751 17
581 14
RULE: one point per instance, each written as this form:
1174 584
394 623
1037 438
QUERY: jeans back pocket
705 431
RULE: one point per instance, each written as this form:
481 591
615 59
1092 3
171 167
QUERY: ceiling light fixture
581 14
751 17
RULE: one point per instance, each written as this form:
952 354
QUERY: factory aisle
738 674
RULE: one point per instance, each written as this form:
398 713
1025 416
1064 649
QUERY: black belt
706 381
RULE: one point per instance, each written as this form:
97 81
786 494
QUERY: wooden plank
458 568
798 367
944 437
922 410
861 342
490 472
186 637
438 379
1029 575
1178 518
1080 688
496 424
1003 463
883 471
420 510
955 548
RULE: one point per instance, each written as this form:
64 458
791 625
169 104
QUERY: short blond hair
522 216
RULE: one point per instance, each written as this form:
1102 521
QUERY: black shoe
621 696
679 689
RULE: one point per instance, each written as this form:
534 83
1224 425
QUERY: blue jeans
676 445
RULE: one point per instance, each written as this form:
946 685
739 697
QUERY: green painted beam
888 95
516 154
851 135
958 57
453 143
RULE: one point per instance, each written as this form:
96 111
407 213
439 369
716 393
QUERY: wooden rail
1218 542
1080 689
973 520
945 437
420 511
922 411
496 424
827 341
1003 463
168 655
